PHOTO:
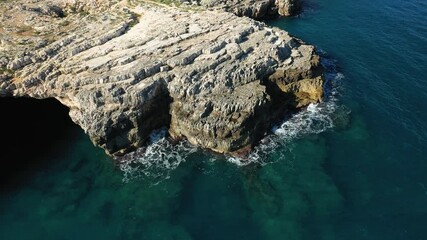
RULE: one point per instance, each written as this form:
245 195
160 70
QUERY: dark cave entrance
31 130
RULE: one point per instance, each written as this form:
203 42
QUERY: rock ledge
214 78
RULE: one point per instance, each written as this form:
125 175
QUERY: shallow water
363 178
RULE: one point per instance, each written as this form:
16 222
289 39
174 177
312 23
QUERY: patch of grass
84 13
6 70
134 19
80 11
171 3
64 23
168 2
24 29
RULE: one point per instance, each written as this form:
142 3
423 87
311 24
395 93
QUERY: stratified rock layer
215 79
257 9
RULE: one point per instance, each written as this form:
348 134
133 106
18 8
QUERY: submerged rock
214 78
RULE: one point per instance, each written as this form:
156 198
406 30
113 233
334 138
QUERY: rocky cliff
212 77
258 9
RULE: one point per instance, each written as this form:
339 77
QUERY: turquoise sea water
363 178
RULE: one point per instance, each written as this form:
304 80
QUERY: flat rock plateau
204 69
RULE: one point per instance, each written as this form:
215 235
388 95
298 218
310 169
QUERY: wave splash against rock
218 80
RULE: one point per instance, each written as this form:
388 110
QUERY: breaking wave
162 156
314 119
157 159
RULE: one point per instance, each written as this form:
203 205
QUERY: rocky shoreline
256 9
126 68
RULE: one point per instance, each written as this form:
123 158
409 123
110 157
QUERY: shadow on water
32 131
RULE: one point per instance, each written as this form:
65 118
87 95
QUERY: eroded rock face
215 79
288 7
257 9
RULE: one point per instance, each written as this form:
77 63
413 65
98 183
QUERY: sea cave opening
32 131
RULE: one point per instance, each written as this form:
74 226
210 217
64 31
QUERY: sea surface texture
352 167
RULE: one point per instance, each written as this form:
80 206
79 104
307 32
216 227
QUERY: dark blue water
364 178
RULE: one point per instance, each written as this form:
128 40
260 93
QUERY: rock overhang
215 79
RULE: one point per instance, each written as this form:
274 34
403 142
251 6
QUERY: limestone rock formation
257 9
288 7
212 77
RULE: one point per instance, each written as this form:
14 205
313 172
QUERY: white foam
157 159
316 118
162 156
